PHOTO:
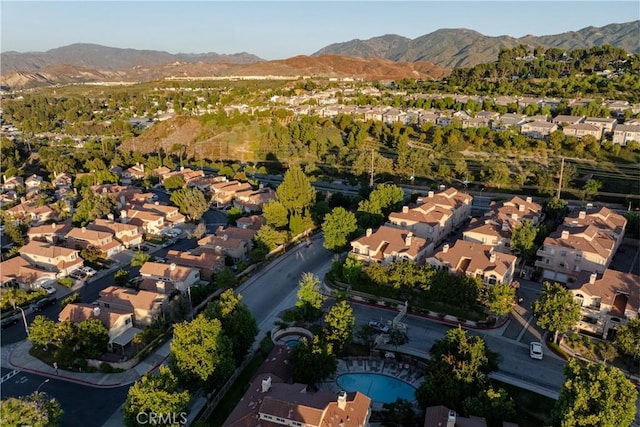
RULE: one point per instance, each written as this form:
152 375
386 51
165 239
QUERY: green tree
270 237
155 393
92 337
523 239
400 413
340 323
398 337
498 298
275 214
140 258
36 410
225 278
310 298
457 369
627 338
591 188
295 192
200 352
237 322
41 331
337 227
595 394
174 182
121 277
494 405
556 310
71 299
556 209
191 202
312 361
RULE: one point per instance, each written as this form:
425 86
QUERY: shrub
67 282
106 368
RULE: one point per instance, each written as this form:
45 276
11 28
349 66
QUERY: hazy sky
276 30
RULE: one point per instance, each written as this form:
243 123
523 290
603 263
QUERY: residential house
586 241
490 233
62 180
253 222
151 222
581 129
50 233
564 120
171 214
538 129
225 192
608 300
623 134
127 234
83 238
253 201
206 260
18 271
28 210
237 249
179 276
11 182
9 197
144 305
118 322
606 125
505 121
244 234
52 258
517 209
273 399
34 181
435 215
441 416
135 172
388 244
475 260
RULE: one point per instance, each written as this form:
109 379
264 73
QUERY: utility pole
371 175
560 181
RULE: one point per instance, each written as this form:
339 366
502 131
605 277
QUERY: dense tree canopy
556 310
337 227
595 394
191 202
627 338
296 193
523 238
36 410
200 352
313 361
310 298
340 323
157 393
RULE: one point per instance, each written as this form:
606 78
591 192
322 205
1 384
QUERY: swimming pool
293 342
380 388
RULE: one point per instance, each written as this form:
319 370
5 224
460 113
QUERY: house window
106 304
128 321
563 253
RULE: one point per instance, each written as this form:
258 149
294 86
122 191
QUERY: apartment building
390 244
586 241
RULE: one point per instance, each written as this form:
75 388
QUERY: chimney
407 240
96 311
172 266
342 400
53 225
565 234
505 226
430 194
451 419
266 384
405 209
442 187
529 200
514 216
492 257
582 215
225 237
369 232
445 248
521 208
592 278
160 286
84 229
110 216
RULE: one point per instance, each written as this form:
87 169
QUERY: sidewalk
20 359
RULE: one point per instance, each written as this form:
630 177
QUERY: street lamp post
41 384
24 319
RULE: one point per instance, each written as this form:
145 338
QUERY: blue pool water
293 343
380 388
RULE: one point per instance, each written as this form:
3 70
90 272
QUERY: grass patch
532 409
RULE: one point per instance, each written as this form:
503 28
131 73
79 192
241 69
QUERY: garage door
556 277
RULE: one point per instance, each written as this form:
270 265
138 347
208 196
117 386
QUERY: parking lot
627 260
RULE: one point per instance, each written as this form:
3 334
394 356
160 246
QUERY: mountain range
460 47
387 57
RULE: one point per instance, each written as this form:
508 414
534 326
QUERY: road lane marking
9 375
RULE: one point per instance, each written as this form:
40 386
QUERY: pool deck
374 365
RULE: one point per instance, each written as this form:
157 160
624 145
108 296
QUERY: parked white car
535 350
88 271
50 289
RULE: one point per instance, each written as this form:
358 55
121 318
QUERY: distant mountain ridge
461 47
106 58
